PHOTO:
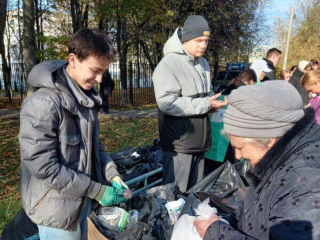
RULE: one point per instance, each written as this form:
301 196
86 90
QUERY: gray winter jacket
62 159
182 86
283 201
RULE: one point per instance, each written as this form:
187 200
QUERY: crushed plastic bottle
127 194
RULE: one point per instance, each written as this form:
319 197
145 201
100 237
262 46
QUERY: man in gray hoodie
63 163
184 96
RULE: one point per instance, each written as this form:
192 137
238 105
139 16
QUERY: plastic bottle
127 194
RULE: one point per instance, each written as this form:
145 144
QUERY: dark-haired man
63 162
273 58
184 96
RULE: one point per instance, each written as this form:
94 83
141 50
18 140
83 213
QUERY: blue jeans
47 233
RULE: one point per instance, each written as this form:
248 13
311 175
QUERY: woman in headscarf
266 124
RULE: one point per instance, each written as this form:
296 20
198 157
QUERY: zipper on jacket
32 211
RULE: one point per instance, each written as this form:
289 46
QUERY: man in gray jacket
184 96
63 163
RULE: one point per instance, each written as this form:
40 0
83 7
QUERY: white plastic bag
184 228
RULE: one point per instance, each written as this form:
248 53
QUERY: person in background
106 89
285 75
184 95
63 163
260 67
292 69
311 82
266 125
314 64
303 67
221 149
273 58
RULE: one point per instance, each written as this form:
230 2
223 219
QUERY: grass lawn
115 135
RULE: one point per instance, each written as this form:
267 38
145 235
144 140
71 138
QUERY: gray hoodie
62 159
182 87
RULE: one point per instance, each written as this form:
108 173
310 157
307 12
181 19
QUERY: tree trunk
75 15
5 68
137 82
147 54
29 50
122 46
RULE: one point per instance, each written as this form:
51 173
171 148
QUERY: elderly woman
267 125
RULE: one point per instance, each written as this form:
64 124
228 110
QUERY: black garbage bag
166 192
192 202
224 187
155 214
242 167
19 228
140 232
154 221
134 162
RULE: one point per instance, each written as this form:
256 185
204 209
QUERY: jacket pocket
69 153
37 204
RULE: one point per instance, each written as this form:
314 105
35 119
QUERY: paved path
114 114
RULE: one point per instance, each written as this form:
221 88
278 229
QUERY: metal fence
139 85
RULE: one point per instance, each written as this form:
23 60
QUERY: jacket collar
270 64
72 96
303 130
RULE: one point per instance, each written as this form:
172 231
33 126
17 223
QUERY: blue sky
278 9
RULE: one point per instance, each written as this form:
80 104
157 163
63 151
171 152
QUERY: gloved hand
118 183
112 196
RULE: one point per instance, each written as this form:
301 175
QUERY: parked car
233 70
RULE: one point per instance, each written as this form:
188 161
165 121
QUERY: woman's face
313 88
287 76
250 151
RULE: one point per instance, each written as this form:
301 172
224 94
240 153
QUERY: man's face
88 71
275 59
197 46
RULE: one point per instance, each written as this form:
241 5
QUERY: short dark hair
314 62
245 77
92 42
273 51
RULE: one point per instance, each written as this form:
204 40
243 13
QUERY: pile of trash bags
156 211
134 162
152 214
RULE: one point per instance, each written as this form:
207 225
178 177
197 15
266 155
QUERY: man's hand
216 104
203 225
118 183
112 196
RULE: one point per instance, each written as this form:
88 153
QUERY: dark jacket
295 81
62 159
270 75
106 82
286 205
182 88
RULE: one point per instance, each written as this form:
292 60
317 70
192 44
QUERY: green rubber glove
111 197
119 184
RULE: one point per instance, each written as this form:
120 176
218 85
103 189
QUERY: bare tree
5 67
29 50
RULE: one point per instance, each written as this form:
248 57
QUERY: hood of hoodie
270 64
174 45
44 75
